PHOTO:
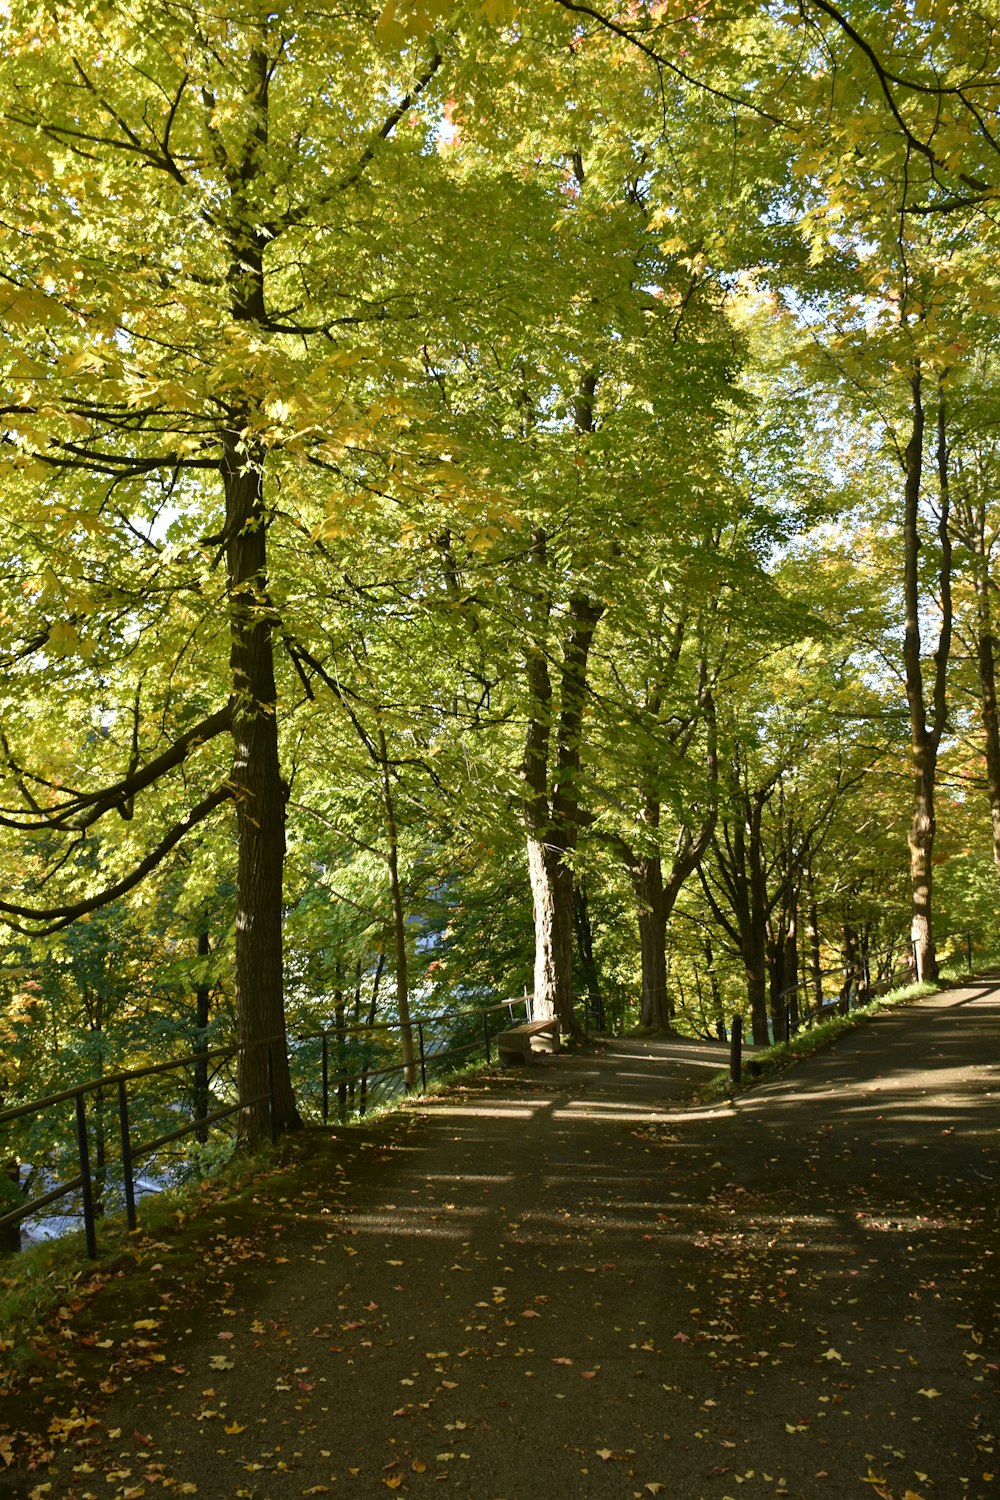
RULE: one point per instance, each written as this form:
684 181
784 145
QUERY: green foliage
505 310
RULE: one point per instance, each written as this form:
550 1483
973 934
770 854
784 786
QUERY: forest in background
494 498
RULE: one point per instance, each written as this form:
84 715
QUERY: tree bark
585 951
925 737
815 953
986 668
202 999
755 969
398 917
552 819
552 894
647 881
260 796
260 792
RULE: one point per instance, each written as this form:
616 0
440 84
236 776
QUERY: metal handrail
132 1152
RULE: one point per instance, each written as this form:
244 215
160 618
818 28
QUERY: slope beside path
563 1281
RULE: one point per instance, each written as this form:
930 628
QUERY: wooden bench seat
517 1044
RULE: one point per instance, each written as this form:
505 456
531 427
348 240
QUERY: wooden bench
517 1044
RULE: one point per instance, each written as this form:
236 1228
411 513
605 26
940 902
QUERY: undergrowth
770 1060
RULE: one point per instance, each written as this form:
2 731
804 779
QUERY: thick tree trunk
552 895
552 820
755 968
258 787
925 737
651 913
260 802
202 1000
921 842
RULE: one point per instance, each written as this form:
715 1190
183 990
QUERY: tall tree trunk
202 1001
647 881
755 968
553 820
398 916
775 983
258 787
925 737
260 801
812 933
986 666
791 976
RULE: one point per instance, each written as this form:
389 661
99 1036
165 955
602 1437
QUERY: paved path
562 1282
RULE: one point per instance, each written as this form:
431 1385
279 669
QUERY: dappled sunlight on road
564 1279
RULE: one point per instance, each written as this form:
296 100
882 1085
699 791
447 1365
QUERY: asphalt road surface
564 1281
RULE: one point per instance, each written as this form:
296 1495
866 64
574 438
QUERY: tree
182 183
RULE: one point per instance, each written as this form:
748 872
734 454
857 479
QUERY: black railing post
326 1079
968 951
128 1176
272 1103
736 1051
86 1187
423 1057
486 1036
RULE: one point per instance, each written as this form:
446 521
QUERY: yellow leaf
233 1429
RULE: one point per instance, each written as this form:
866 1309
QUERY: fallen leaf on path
929 1392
